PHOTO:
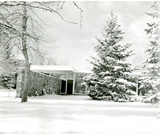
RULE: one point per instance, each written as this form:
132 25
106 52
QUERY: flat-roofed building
67 75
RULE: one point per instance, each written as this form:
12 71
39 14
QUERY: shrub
8 80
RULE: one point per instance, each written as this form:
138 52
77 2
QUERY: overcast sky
74 46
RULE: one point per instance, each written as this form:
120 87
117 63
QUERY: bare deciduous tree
23 33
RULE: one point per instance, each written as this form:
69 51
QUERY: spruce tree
110 68
153 61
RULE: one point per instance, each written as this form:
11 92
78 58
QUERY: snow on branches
110 66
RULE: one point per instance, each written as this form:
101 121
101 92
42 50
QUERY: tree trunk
25 86
25 53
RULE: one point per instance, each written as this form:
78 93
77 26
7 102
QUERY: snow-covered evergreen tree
110 68
153 62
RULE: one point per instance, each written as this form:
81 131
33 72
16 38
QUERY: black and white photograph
79 67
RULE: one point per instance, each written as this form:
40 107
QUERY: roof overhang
139 73
70 70
58 69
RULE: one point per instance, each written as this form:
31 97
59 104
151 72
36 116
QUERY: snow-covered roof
71 70
82 70
58 69
137 73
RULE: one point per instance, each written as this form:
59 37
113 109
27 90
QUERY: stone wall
38 82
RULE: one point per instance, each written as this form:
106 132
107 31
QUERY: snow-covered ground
7 93
55 114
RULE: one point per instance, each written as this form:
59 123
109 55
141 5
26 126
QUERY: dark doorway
63 86
69 87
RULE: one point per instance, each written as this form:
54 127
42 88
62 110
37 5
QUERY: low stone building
54 79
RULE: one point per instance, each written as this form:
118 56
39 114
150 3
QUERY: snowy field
55 114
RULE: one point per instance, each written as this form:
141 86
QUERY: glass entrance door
63 86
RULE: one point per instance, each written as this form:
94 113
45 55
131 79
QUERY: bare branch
46 8
80 11
10 3
39 18
36 51
61 7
